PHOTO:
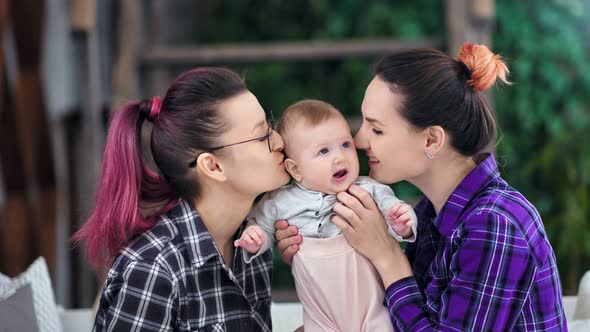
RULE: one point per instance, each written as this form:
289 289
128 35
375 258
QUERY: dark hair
185 123
190 123
440 90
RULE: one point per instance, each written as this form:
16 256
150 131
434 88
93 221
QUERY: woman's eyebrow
257 125
371 120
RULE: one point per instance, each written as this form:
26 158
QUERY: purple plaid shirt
484 263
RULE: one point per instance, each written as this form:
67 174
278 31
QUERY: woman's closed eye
263 138
377 131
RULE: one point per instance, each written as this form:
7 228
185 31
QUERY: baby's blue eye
346 145
324 151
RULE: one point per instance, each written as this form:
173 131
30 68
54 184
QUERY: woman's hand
288 240
366 231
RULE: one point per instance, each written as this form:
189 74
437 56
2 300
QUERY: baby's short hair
312 111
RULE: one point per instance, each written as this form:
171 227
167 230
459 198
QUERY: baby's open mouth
340 174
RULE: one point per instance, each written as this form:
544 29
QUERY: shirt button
317 213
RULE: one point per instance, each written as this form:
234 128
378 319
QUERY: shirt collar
471 185
194 233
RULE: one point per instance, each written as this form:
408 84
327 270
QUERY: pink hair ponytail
116 218
185 121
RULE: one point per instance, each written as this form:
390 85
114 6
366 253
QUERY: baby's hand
252 239
399 217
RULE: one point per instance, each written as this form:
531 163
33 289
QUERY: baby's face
325 155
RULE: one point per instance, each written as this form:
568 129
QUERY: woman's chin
378 176
279 180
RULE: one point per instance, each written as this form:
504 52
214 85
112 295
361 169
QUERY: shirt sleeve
265 215
385 198
142 297
490 272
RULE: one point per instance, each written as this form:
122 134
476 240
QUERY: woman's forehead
380 103
243 112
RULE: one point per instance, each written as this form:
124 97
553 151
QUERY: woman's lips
373 162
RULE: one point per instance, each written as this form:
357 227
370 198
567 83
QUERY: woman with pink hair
482 260
179 176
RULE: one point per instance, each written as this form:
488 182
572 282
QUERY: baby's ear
291 167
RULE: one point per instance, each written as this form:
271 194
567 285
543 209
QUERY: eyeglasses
267 137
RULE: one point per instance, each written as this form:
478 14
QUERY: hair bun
149 108
484 65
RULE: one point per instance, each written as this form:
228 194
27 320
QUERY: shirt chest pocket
438 284
434 292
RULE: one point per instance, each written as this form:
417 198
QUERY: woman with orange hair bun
482 260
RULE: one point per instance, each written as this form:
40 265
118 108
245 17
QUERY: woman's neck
223 212
443 177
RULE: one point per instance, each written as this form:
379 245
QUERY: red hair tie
155 109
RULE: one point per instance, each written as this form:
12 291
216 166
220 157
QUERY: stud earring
428 155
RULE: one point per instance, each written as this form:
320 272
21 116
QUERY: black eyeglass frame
268 136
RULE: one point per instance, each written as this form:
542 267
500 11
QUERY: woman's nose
277 141
360 141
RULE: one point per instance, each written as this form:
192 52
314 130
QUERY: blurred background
66 65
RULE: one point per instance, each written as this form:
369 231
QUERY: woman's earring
428 155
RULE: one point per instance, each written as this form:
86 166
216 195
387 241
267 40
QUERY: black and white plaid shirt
172 277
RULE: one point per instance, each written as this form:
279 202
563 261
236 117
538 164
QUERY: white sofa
286 316
31 292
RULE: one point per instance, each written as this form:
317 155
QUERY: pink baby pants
339 289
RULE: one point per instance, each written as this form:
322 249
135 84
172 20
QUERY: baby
332 280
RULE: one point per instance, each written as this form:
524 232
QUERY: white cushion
569 306
580 325
37 276
583 303
75 320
